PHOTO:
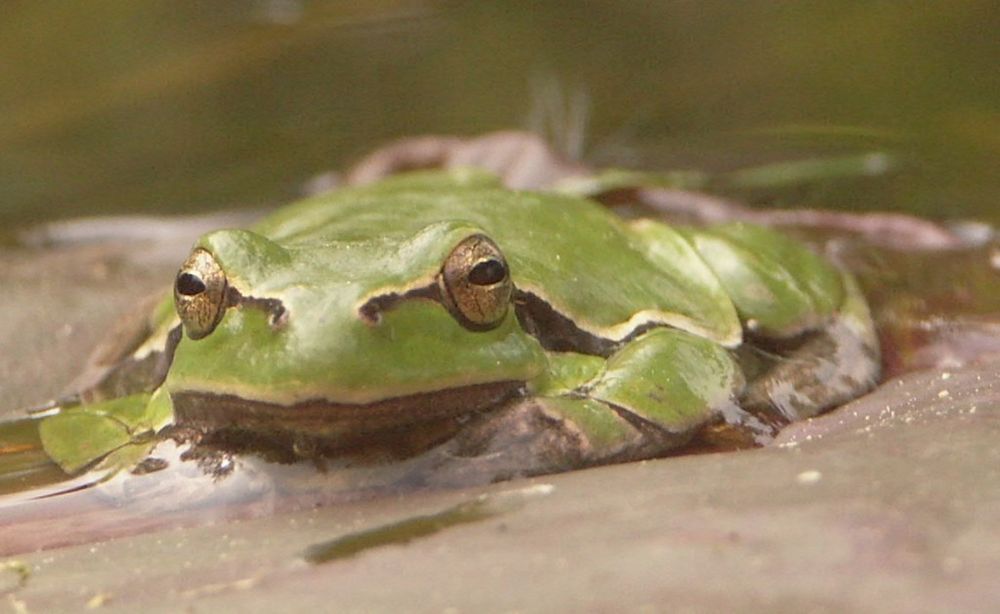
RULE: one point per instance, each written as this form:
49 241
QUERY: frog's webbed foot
830 367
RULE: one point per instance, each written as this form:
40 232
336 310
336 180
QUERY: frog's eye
475 283
200 293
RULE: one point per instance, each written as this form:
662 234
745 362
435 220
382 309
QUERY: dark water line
403 531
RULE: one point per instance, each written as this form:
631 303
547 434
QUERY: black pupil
189 284
488 272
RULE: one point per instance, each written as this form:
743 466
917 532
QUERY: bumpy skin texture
623 339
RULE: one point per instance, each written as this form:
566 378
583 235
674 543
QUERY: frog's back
401 206
609 277
571 253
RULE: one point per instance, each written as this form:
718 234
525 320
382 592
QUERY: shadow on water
401 532
404 531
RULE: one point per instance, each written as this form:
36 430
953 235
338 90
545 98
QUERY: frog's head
337 335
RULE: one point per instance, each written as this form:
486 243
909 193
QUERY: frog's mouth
327 426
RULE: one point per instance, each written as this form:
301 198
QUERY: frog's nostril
189 284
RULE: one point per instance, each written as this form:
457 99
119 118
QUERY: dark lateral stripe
371 311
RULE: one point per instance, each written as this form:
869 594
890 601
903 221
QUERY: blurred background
187 106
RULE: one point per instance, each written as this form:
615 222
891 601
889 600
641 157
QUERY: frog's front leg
652 396
114 434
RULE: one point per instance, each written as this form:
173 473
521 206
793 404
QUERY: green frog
439 310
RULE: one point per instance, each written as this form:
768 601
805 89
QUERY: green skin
628 337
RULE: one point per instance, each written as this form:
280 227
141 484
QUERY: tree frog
438 308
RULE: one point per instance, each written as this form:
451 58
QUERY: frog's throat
336 425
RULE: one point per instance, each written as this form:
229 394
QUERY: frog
438 312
